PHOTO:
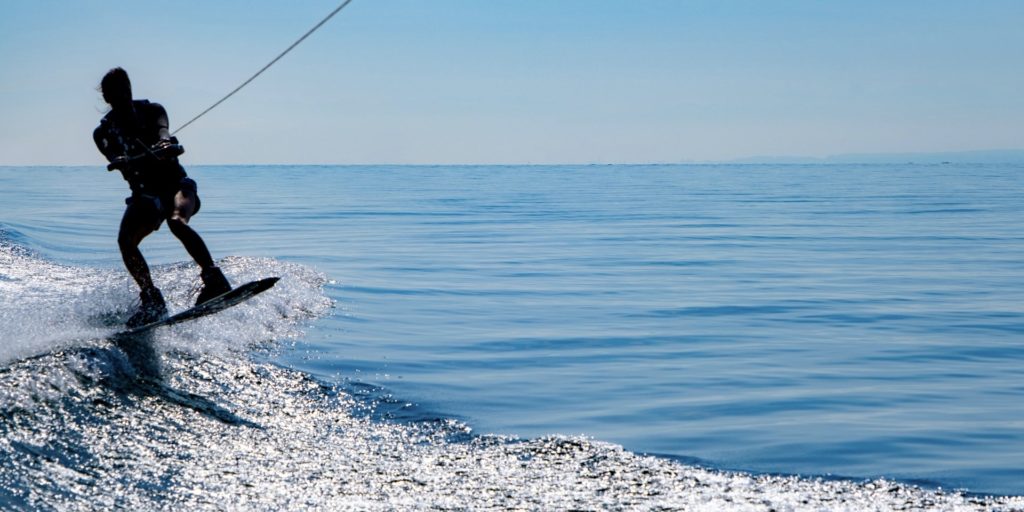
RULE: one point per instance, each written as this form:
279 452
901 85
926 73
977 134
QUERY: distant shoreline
995 156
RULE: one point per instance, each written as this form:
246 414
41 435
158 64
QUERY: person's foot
214 284
151 308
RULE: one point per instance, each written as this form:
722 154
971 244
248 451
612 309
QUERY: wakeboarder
134 136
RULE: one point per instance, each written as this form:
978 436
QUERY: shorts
161 206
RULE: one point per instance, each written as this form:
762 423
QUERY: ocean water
749 337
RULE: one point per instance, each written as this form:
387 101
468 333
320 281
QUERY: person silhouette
135 138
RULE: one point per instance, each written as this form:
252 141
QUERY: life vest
131 137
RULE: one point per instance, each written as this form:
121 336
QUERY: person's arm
113 152
163 125
167 145
100 137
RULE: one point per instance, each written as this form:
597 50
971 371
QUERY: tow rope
271 63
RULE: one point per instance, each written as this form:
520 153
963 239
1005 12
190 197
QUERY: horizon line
563 164
988 156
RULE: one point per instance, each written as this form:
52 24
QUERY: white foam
42 306
268 318
45 306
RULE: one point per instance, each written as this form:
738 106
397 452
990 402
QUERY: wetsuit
153 179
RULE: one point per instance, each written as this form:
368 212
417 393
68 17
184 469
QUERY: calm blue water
857 321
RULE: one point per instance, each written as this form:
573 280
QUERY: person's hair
116 78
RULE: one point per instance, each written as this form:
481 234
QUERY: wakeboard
214 305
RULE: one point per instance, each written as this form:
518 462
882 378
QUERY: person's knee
178 224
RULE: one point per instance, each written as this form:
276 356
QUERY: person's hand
168 148
119 163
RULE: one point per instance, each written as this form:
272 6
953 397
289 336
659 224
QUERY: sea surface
653 337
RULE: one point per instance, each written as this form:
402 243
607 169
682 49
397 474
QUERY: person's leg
141 218
186 202
184 207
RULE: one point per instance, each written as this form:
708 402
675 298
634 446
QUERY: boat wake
190 418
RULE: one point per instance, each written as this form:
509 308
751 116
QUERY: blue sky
527 81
